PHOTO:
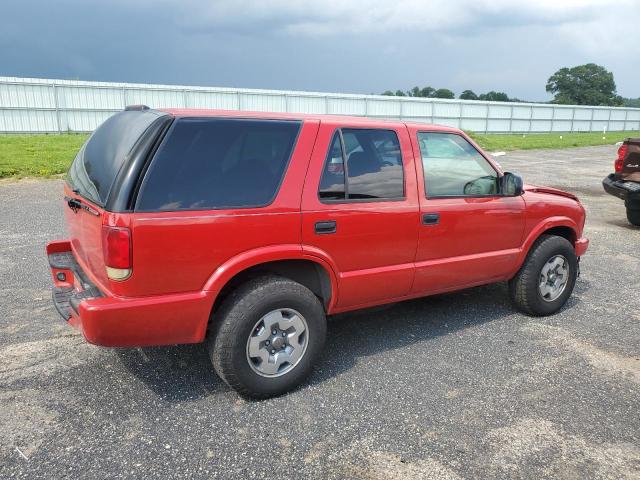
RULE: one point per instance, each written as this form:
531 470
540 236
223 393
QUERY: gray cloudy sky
359 46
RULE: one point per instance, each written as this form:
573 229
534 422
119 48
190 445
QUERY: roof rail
130 108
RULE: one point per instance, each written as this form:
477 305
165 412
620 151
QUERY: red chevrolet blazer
245 230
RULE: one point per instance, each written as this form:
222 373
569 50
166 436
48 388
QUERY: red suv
247 229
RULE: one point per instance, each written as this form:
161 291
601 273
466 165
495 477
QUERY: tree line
588 84
430 92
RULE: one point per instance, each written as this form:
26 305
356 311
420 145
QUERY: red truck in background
625 182
245 230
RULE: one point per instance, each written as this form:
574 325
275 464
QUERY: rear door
469 233
360 209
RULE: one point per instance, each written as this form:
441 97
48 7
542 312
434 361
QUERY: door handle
324 228
430 218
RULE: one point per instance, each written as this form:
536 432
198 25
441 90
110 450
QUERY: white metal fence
44 105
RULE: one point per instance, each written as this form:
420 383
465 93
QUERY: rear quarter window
214 163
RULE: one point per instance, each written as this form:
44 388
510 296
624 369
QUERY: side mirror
511 185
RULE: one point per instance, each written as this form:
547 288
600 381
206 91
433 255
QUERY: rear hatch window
98 162
213 163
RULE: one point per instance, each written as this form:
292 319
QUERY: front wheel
267 335
547 277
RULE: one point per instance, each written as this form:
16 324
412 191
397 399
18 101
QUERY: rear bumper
626 190
124 322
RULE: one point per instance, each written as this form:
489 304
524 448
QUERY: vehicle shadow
369 332
184 372
623 223
175 373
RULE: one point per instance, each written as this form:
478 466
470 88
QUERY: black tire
633 215
235 322
523 288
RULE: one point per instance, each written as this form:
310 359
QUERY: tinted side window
374 166
332 185
210 163
453 167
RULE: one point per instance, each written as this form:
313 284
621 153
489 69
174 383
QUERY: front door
470 233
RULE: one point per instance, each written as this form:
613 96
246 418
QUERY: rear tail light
116 249
622 152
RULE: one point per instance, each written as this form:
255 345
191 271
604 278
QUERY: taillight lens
622 152
116 249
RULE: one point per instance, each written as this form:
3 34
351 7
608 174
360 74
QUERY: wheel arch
563 227
563 231
288 261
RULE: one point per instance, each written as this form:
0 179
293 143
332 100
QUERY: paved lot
456 386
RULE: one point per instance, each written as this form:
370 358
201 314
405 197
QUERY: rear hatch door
90 184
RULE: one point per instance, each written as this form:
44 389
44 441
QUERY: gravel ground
454 386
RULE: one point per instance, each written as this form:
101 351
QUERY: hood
549 190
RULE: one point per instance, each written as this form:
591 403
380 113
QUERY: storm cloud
359 46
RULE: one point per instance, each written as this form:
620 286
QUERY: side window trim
481 154
345 168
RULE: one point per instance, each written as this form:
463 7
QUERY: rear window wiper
75 204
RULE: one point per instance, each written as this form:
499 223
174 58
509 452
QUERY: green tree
427 92
424 92
588 84
631 102
443 93
388 93
494 96
400 93
468 95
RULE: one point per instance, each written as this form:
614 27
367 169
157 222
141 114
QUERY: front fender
539 229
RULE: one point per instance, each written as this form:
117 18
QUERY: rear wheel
547 277
267 336
633 214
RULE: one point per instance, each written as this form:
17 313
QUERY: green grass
493 142
48 155
37 155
